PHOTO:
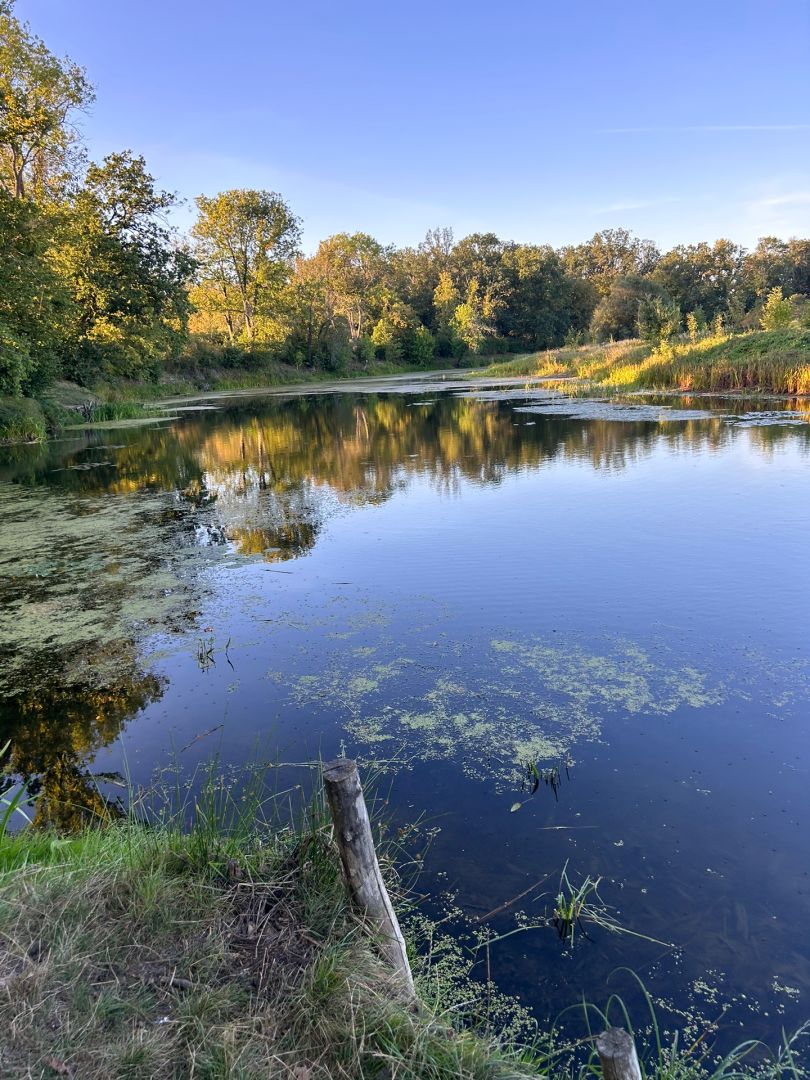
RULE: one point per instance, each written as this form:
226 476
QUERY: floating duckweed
518 701
81 573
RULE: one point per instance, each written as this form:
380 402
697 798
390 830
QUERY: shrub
21 420
777 312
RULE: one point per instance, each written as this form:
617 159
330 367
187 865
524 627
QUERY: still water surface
470 580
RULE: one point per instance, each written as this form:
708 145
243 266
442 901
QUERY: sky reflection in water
468 586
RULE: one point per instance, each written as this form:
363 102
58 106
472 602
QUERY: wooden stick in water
356 846
617 1055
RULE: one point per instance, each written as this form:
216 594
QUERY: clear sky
540 121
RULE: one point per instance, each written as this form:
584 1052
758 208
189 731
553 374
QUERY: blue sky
540 121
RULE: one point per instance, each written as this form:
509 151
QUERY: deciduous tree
39 95
245 242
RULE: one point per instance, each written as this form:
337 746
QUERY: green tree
413 273
422 347
127 278
245 242
702 275
469 323
616 315
393 333
446 299
345 281
39 93
775 262
34 305
609 255
659 319
540 311
479 259
777 312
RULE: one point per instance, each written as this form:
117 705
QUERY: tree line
95 285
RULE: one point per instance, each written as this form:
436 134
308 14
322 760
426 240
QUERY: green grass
146 950
774 361
205 937
21 420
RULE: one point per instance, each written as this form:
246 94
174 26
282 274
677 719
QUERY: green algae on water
78 575
513 702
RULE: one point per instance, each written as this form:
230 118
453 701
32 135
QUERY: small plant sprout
205 653
572 905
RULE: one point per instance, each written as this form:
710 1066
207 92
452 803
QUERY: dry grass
229 950
776 361
127 952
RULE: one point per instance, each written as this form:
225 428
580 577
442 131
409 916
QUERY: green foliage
702 275
616 315
33 300
245 242
469 324
544 301
610 255
21 420
659 319
127 279
777 314
695 324
422 347
39 92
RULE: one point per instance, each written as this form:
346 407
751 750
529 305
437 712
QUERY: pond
565 634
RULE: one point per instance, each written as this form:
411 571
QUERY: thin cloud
634 204
779 213
703 128
794 198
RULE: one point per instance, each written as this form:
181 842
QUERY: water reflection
274 469
105 535
482 586
54 733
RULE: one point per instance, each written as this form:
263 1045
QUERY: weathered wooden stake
617 1055
356 846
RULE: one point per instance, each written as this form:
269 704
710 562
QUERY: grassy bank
140 950
62 406
135 951
66 404
775 361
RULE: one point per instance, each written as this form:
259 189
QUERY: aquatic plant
11 806
573 903
205 653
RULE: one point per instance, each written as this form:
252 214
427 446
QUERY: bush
658 319
422 347
777 312
21 420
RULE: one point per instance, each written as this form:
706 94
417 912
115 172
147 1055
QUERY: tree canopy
96 286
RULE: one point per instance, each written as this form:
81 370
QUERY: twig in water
202 735
508 903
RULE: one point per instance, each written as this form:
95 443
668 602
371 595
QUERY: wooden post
617 1055
356 846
